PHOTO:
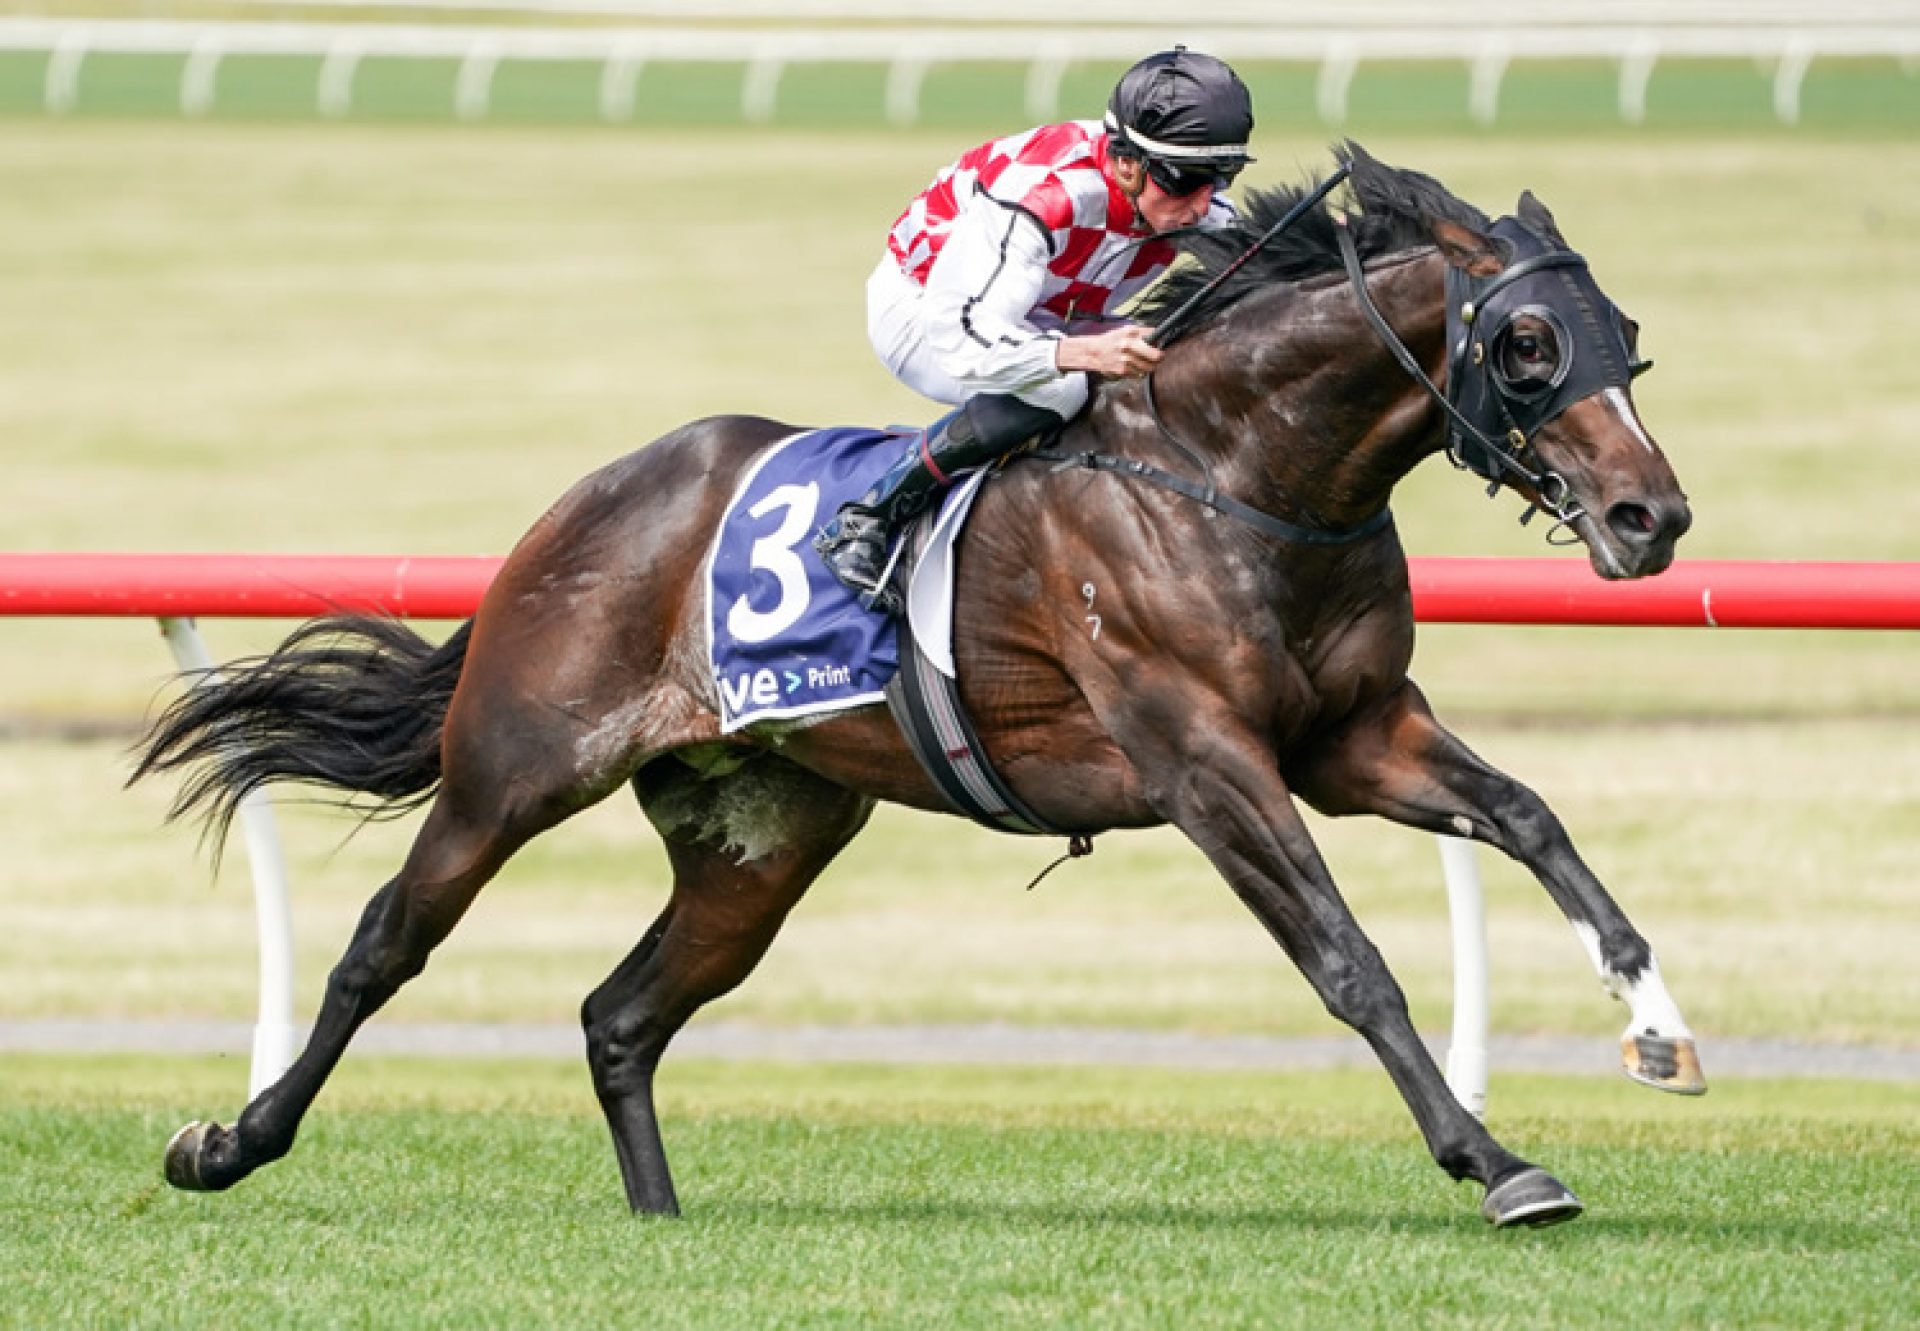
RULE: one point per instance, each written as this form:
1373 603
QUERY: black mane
1395 205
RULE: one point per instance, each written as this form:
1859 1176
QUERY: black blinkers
1582 332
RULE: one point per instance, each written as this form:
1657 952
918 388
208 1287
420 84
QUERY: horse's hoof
1531 1197
183 1156
1664 1062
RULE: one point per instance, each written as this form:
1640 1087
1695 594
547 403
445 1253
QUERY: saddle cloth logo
785 637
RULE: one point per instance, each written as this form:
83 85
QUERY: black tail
349 702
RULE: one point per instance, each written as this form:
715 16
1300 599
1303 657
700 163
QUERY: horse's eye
1527 354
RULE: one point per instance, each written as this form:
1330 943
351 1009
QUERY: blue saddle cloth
786 638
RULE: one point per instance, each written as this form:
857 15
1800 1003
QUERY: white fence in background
1154 13
1785 39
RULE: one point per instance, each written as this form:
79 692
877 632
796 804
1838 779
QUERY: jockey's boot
854 545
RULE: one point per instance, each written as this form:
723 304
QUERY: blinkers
1579 338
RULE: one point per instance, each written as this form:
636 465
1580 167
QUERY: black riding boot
854 546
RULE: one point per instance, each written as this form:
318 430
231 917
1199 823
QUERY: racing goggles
1178 181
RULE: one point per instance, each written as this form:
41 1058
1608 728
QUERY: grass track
486 1195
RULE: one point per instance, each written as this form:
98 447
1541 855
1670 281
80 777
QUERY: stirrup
847 546
880 594
883 595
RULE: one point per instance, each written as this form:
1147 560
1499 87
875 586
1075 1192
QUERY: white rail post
1467 1052
333 93
1337 67
473 85
1048 68
1792 72
200 75
618 81
760 87
1483 84
273 916
905 74
62 92
1636 72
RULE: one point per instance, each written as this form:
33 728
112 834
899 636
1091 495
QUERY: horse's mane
1395 205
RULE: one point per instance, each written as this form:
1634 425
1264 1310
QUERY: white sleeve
981 292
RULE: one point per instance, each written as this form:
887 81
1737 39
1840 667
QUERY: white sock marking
1654 1011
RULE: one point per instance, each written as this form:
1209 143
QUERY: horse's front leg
1216 779
1394 759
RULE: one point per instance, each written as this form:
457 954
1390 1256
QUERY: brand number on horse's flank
1087 590
775 554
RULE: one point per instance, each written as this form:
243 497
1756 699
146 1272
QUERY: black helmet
1184 113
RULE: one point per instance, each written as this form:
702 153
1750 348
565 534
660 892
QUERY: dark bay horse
1236 669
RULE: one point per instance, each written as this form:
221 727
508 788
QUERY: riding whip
1167 326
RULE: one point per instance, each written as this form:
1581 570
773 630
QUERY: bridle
1491 418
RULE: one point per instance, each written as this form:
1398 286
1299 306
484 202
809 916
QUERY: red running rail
1704 593
271 586
1728 594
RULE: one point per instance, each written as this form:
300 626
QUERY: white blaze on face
1616 401
1654 1011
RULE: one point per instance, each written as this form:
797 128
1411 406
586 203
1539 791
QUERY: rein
1208 494
1260 520
1165 329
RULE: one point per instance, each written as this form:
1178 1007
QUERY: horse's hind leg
1397 761
744 848
507 779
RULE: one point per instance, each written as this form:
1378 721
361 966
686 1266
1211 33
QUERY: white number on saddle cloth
775 554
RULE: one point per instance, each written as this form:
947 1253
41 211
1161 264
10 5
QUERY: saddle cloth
785 638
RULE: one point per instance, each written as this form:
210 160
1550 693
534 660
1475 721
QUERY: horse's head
1540 364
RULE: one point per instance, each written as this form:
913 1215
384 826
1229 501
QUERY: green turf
487 1195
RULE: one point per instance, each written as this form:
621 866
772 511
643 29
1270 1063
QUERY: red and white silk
1022 241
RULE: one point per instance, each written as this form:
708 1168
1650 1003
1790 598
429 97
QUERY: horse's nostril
1632 522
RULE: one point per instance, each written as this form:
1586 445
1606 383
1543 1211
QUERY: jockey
1001 283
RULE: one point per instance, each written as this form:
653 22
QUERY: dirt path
1005 1045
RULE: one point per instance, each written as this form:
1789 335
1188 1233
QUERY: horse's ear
1534 213
1463 247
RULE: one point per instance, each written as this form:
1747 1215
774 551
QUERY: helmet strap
1138 174
1140 222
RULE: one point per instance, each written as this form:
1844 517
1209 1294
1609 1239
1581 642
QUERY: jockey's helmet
1186 115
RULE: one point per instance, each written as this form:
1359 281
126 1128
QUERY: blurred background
368 277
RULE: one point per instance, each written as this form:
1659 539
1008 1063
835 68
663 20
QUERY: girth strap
1260 521
926 706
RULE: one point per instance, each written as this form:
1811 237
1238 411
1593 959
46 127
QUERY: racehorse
1229 518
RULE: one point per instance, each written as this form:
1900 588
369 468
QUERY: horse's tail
349 702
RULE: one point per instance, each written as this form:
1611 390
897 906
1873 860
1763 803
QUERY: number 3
774 553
